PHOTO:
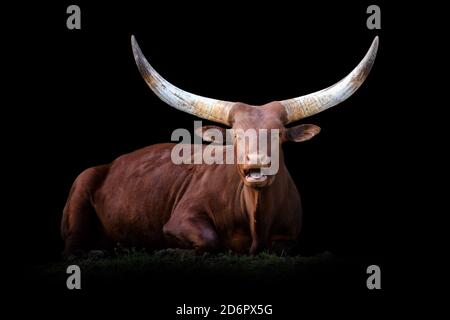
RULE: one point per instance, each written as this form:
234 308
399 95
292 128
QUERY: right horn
308 105
206 108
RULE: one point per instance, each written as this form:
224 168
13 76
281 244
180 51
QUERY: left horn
308 105
206 108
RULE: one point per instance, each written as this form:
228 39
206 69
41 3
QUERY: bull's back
139 194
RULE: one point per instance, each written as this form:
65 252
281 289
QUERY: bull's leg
191 231
80 228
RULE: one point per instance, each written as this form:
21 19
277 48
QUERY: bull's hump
156 160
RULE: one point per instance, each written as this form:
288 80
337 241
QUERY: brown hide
143 199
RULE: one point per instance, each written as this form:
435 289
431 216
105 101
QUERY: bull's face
264 120
252 132
257 135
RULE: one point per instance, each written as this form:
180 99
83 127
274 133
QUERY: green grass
137 262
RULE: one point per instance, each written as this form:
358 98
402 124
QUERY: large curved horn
206 108
305 106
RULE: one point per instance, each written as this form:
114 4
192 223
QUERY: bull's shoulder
162 153
153 151
155 163
154 160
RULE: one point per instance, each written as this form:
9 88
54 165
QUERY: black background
90 105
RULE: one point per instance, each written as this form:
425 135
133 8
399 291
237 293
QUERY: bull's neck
258 203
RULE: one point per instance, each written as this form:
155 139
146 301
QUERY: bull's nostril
257 158
265 159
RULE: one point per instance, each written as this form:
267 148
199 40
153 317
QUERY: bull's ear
302 132
212 134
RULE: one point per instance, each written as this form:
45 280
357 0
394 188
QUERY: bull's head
274 115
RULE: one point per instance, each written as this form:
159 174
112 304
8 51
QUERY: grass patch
180 262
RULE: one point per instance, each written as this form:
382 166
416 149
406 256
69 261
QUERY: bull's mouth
254 176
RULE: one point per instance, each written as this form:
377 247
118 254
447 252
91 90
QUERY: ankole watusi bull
144 199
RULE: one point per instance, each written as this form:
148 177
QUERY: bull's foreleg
191 231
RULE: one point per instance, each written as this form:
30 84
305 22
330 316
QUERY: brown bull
144 199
